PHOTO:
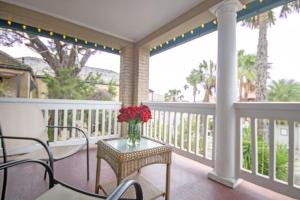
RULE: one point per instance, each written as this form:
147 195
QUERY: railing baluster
74 112
165 127
103 123
169 129
181 131
254 146
151 124
116 122
97 123
175 130
214 138
109 122
204 128
89 122
197 135
291 154
161 118
64 137
155 123
160 121
272 165
82 118
189 132
55 124
46 117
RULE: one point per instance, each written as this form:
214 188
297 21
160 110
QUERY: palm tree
262 21
246 74
194 79
207 78
173 95
284 90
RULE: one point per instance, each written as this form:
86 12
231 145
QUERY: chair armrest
6 165
36 140
74 127
123 187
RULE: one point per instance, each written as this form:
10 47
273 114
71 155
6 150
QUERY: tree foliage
112 90
284 90
194 80
66 86
57 54
262 22
204 76
246 74
174 95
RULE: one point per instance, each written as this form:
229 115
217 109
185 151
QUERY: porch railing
97 118
189 127
270 133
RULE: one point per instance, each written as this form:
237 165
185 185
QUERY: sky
283 50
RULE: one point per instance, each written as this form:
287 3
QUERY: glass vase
134 133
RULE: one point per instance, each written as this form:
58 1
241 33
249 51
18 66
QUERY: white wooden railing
275 116
189 127
97 118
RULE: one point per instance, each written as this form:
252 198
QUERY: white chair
22 126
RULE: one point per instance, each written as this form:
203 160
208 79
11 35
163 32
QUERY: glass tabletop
120 144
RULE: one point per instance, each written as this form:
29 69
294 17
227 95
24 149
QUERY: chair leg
87 162
45 173
4 184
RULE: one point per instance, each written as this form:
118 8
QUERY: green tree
246 74
112 90
263 156
284 90
194 79
173 95
207 73
57 54
2 89
262 22
66 86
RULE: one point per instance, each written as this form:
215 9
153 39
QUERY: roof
106 75
38 65
41 67
6 61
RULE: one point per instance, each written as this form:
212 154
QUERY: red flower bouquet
134 116
134 113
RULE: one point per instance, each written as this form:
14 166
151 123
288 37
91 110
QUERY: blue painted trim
58 36
252 9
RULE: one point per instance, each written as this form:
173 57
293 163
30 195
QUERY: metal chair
61 191
22 126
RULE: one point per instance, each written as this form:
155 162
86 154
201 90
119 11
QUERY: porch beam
224 168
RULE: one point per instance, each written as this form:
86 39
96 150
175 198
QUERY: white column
224 171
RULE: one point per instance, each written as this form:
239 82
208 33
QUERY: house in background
16 78
155 97
40 68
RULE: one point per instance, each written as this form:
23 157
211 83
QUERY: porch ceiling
131 20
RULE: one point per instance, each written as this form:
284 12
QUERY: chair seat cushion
59 192
58 152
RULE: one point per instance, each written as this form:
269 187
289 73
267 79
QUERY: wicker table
126 160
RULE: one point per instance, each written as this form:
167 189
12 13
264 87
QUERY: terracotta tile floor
188 180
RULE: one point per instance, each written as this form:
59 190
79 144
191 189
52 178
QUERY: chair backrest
21 120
